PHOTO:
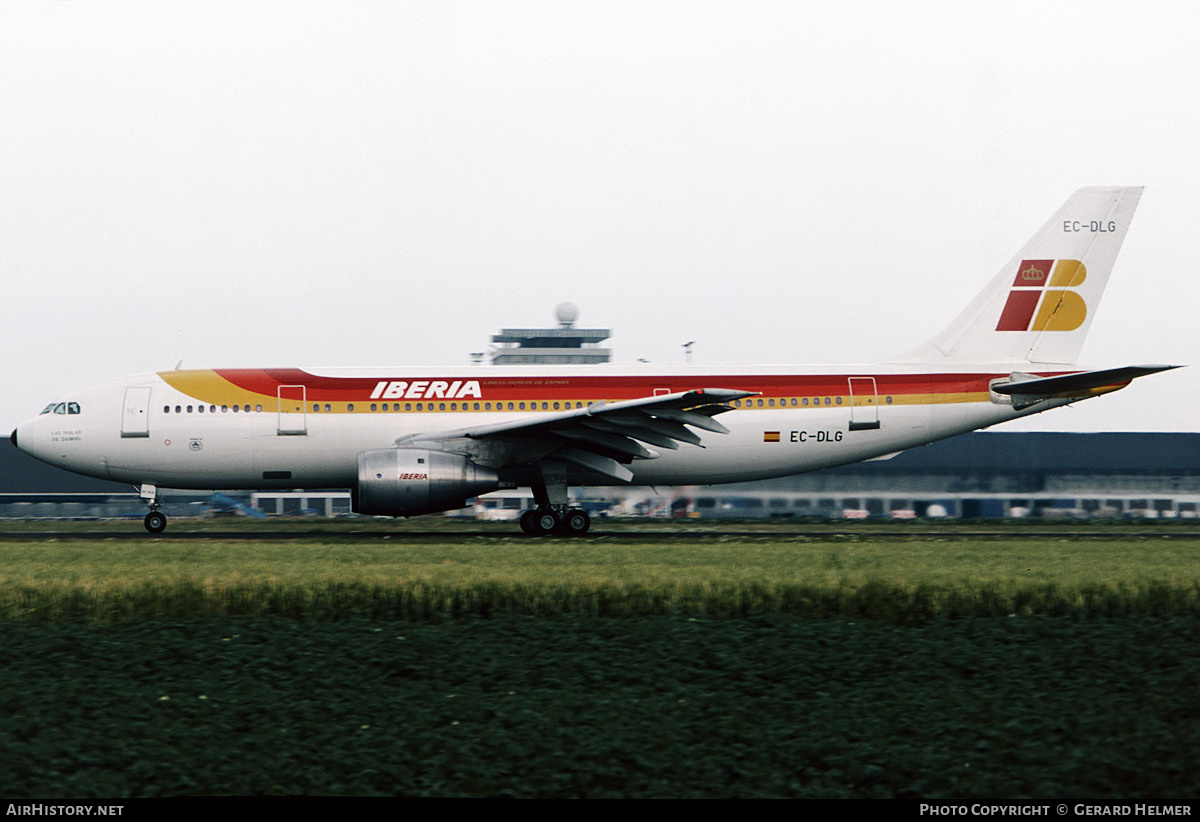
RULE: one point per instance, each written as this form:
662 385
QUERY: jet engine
404 482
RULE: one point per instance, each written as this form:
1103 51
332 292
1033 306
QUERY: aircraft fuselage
287 428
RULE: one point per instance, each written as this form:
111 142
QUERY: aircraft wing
1082 384
599 438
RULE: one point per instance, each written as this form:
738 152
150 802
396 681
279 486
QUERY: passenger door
864 404
135 412
292 418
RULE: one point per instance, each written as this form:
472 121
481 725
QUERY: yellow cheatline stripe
210 388
843 401
939 399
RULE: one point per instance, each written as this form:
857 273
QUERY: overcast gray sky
361 183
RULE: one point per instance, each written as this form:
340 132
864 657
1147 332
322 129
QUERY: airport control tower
562 345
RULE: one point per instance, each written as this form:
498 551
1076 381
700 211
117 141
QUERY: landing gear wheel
547 522
576 522
529 523
540 523
156 522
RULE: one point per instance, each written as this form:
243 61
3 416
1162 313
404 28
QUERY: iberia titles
426 390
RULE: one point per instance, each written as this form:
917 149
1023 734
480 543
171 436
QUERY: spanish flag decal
770 436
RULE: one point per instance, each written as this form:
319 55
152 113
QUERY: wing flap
605 466
610 442
635 432
693 418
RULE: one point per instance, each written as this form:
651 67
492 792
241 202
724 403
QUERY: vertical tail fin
1039 307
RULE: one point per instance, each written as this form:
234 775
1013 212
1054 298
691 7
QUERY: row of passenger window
472 406
211 409
795 402
408 406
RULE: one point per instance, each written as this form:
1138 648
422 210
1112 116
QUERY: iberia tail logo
1042 299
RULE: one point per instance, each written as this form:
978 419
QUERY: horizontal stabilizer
1083 384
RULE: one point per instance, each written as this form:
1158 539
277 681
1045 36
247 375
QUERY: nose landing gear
156 521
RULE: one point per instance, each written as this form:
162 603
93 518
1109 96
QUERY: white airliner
411 441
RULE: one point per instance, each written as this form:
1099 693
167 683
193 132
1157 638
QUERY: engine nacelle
403 482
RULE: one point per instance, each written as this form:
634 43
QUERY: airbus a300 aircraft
416 441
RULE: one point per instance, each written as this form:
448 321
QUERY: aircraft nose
14 438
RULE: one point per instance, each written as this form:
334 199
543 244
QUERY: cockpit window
61 408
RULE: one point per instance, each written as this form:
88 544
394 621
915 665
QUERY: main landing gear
552 515
573 522
156 520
